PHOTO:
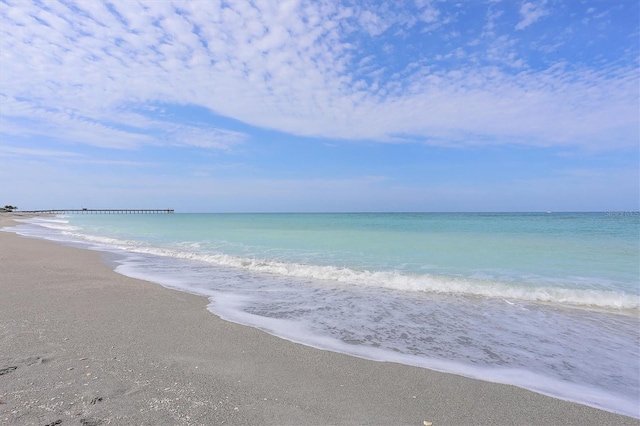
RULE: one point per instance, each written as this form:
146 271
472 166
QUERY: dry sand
83 345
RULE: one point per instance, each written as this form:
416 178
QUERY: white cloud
288 66
531 13
373 24
429 14
37 152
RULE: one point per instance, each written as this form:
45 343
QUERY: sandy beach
83 345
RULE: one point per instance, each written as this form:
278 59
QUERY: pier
98 211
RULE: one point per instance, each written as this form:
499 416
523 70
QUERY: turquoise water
548 302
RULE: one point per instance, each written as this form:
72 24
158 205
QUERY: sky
320 105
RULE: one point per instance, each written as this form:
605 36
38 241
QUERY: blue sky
225 106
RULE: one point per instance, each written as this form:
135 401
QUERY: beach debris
54 423
427 423
4 371
95 400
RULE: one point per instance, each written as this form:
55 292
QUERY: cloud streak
530 13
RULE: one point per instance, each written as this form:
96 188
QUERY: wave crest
604 299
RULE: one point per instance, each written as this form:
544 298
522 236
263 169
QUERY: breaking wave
428 283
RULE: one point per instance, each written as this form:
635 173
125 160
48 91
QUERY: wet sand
83 345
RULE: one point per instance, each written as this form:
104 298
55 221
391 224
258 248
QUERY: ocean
545 301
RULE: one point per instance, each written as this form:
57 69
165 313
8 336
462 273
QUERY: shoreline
91 345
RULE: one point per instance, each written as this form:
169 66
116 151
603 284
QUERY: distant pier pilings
98 211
